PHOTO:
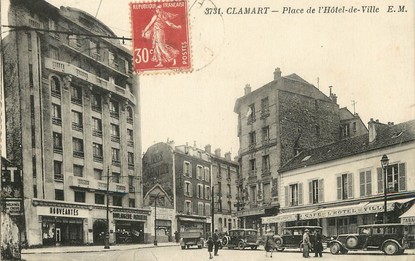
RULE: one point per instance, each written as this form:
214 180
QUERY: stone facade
72 119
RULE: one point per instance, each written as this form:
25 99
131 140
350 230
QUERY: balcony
97 158
57 149
58 177
251 145
266 172
130 120
76 100
56 94
78 154
114 114
116 163
264 113
115 138
67 68
97 108
77 126
94 184
97 133
57 121
130 143
251 119
131 166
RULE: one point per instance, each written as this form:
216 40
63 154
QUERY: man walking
306 244
216 242
318 244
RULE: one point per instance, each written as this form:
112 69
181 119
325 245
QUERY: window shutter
184 168
321 190
191 189
300 193
350 185
190 169
369 182
402 175
339 187
310 192
286 195
380 180
362 184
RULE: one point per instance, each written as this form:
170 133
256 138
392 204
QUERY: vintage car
389 238
191 238
292 237
241 238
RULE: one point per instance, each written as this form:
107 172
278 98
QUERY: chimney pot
277 73
217 152
228 156
208 148
247 88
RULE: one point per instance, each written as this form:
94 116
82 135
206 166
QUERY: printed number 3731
142 55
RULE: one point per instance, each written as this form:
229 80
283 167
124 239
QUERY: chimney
332 96
208 149
228 156
247 88
277 73
372 129
217 152
194 144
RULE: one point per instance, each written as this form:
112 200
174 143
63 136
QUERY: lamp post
107 233
384 162
155 218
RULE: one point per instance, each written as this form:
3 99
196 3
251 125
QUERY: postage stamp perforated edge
165 70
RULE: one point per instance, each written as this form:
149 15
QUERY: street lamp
384 162
155 218
107 233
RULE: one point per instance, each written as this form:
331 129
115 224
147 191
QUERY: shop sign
251 212
408 220
62 212
129 216
13 207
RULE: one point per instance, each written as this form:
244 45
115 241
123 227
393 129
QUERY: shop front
251 218
62 225
129 226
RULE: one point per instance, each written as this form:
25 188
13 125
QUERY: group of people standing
318 244
213 241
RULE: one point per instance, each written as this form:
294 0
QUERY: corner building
275 123
72 120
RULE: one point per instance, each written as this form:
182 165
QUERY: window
115 132
78 170
345 130
131 186
200 208
59 195
130 115
130 158
265 164
100 199
78 147
252 165
131 203
117 201
365 183
98 174
354 127
77 120
252 138
97 151
207 209
52 25
345 186
116 177
188 207
188 189
396 178
265 134
229 207
76 95
79 196
34 191
114 109
207 193
264 107
57 170
130 135
111 58
94 49
53 52
115 155
96 102
31 75
199 191
29 41
56 114
187 169
316 193
251 113
294 194
57 142
229 192
207 174
96 127
199 172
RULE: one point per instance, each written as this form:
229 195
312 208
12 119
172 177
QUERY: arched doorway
99 230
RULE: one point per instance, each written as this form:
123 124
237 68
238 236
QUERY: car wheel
335 248
390 248
241 245
183 247
278 242
200 247
224 241
280 249
344 251
351 242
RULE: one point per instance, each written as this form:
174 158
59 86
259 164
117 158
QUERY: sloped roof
387 135
295 77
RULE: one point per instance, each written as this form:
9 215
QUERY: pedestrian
176 236
269 243
210 246
216 241
306 243
318 244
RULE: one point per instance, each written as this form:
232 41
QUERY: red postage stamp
160 32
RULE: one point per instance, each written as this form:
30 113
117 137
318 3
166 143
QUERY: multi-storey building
183 173
276 122
341 185
72 121
226 194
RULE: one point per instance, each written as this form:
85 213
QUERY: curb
92 250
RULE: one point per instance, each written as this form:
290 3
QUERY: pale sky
368 58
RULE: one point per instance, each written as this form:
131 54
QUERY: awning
199 220
408 217
285 217
391 204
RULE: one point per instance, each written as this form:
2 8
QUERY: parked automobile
241 239
191 238
292 237
390 238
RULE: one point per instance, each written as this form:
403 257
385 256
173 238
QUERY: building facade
225 180
341 185
72 125
184 173
276 122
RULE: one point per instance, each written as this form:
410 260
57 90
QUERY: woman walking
210 247
269 243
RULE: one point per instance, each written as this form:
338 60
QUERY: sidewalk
81 249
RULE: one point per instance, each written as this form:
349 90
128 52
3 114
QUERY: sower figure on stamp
155 30
216 241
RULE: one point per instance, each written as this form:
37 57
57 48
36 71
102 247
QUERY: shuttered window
316 191
396 178
345 186
365 178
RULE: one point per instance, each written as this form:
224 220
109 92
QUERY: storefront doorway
99 230
62 231
129 232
